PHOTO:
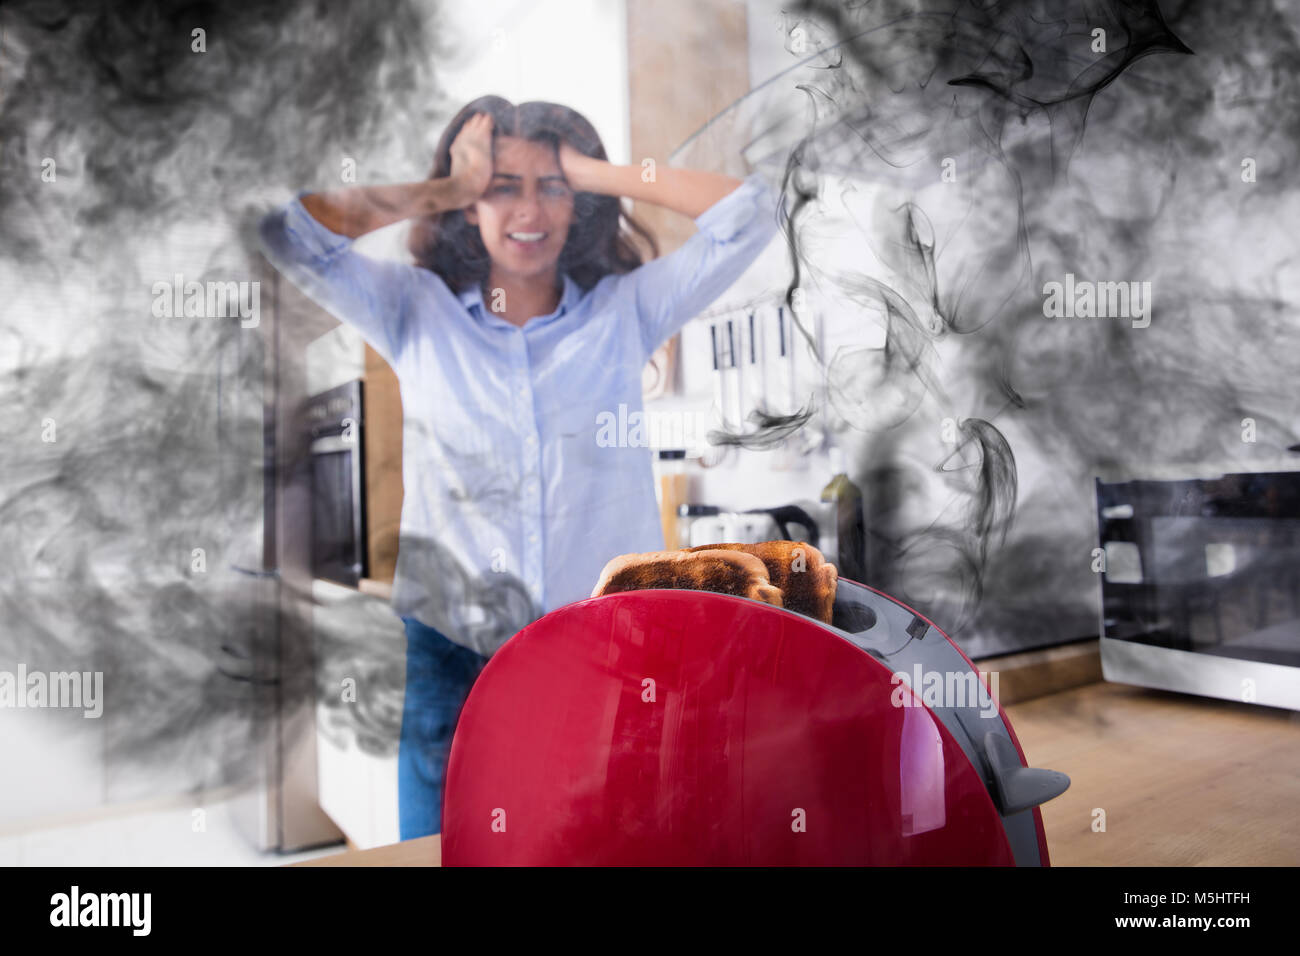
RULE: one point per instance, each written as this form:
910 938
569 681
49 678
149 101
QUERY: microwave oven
1200 585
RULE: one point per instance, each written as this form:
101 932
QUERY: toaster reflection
920 775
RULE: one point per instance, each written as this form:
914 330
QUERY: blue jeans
439 674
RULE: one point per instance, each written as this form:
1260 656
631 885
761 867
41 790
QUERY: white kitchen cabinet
358 639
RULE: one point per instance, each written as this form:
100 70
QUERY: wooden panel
383 443
687 62
1049 670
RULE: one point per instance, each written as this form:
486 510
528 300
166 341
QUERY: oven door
338 521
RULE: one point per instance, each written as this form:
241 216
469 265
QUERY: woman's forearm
358 210
687 191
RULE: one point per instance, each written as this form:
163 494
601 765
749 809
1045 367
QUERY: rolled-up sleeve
672 289
368 294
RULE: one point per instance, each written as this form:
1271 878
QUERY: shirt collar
472 299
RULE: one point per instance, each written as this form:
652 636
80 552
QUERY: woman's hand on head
471 158
576 167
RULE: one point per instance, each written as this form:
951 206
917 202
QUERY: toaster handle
1019 787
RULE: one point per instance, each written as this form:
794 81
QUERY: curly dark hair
601 238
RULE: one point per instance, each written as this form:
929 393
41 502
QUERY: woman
528 313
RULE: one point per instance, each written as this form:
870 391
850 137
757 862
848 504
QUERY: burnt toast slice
700 569
806 579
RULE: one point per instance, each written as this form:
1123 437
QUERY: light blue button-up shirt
511 508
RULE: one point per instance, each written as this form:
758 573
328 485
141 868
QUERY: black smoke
164 157
941 162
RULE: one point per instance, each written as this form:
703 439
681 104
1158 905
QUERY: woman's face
524 215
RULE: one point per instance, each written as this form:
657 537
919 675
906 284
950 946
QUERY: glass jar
671 467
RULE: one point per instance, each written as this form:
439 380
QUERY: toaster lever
1019 788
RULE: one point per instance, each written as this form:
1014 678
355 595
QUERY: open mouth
527 240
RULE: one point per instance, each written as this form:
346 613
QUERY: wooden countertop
1183 781
424 851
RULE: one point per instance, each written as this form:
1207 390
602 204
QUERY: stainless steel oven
334 420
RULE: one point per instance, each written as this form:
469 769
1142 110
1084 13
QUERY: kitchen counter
1183 781
425 851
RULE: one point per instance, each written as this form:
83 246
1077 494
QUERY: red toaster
682 727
